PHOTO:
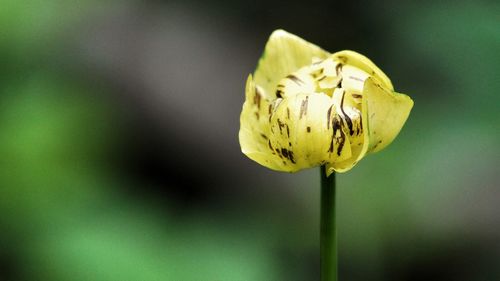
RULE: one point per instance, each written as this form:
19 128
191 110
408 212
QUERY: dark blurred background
119 155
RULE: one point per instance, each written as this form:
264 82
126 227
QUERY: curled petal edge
387 112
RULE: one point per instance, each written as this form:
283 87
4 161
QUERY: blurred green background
119 157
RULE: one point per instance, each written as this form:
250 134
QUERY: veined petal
358 60
307 131
359 140
284 53
254 125
303 131
387 112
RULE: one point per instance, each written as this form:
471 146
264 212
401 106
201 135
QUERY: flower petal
254 122
284 53
303 131
359 141
307 131
387 112
358 60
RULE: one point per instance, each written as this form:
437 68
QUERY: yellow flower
305 107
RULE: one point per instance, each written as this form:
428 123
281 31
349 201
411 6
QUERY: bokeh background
119 157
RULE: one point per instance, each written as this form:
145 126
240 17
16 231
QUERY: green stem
328 232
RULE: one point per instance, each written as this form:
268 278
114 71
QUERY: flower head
305 107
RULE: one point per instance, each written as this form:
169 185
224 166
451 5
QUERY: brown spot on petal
330 149
341 143
338 68
303 107
280 125
337 126
328 116
339 84
347 118
279 94
343 59
279 153
295 79
360 123
284 152
290 156
257 98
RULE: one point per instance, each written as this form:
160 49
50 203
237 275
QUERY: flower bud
305 107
